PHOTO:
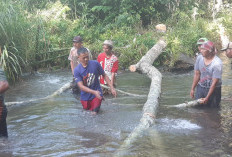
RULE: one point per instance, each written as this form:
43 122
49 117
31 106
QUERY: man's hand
114 93
192 93
97 94
205 100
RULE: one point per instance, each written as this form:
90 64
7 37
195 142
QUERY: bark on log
149 109
58 92
188 104
123 92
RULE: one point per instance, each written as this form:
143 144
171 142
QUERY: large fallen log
60 91
56 93
150 107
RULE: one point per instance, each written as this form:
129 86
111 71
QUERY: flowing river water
59 127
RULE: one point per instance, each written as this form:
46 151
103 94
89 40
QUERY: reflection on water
59 126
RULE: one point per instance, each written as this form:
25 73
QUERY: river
59 127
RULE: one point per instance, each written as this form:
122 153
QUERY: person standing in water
109 63
4 86
73 57
86 75
207 76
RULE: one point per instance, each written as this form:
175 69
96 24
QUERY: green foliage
11 63
227 21
46 25
182 36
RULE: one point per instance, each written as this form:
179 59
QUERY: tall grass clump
11 63
16 36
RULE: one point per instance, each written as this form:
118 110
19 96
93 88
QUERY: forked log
150 107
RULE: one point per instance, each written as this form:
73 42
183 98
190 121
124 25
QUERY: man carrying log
207 76
3 110
86 76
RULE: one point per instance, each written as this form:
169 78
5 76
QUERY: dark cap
229 46
77 39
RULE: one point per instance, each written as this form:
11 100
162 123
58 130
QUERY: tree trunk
58 92
188 104
149 109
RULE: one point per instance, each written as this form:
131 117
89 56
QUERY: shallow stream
59 127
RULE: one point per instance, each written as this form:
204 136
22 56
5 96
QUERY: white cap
108 42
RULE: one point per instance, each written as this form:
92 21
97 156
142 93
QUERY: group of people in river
88 74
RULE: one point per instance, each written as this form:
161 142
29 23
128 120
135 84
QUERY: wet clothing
92 105
215 98
3 109
207 73
89 76
109 64
75 88
3 124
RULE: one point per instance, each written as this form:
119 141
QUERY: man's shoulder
94 62
217 61
102 55
73 51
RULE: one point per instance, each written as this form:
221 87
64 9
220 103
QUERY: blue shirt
90 77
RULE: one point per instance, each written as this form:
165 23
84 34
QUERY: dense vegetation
30 28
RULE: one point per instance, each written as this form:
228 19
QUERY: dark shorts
214 99
92 105
3 125
75 88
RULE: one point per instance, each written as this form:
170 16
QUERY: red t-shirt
108 64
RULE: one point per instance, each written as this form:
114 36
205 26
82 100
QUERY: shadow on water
59 126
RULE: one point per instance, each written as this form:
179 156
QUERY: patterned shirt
89 76
109 64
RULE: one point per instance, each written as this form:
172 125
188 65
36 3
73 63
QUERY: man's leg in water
3 125
95 105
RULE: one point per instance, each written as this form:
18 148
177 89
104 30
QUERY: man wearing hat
199 43
228 50
73 57
109 62
207 76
